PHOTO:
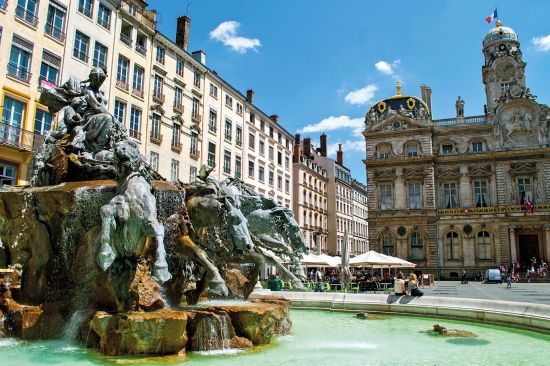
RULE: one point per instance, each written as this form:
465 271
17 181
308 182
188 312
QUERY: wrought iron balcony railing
137 92
19 72
158 97
55 32
156 137
122 85
17 137
26 15
127 40
134 134
141 49
83 56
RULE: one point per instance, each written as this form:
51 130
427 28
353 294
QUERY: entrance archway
528 248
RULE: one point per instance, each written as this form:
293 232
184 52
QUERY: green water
335 339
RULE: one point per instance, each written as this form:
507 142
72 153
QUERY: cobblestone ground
522 292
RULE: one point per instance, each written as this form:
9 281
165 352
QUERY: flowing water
325 338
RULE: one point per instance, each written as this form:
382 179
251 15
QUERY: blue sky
321 64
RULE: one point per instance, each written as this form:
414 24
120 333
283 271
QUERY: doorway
528 248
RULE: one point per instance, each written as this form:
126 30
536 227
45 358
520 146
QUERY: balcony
137 93
490 210
178 107
4 5
144 17
19 73
194 153
141 49
156 137
158 97
127 40
134 134
82 56
176 147
195 117
26 16
122 85
55 32
18 137
461 121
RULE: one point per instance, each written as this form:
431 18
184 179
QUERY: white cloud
542 43
333 123
226 33
387 68
347 146
361 96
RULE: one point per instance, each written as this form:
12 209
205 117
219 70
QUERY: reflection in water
468 341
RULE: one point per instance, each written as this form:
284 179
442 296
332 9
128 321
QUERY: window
279 158
20 59
504 87
261 144
161 53
239 108
384 151
450 195
175 170
262 125
120 111
525 190
238 167
271 178
417 246
135 123
212 121
104 16
287 185
411 149
251 141
452 246
227 162
122 70
481 195
279 182
158 86
387 244
261 173
155 126
386 197
85 7
179 67
415 195
176 135
239 136
141 43
8 174
228 101
178 97
13 114
477 147
228 129
154 161
253 118
447 149
195 108
55 21
137 83
251 169
49 72
100 55
287 162
27 10
197 79
211 160
192 174
213 90
271 153
484 245
271 131
81 45
194 148
42 122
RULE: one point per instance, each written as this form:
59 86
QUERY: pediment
412 173
385 174
395 123
479 171
452 173
157 108
523 169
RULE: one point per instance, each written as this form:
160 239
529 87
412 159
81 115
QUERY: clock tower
504 67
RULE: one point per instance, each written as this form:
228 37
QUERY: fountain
101 248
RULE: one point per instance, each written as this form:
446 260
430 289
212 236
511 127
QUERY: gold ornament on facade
381 107
411 103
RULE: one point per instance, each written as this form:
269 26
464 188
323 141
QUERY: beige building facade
468 192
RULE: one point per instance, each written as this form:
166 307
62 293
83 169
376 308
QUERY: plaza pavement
538 293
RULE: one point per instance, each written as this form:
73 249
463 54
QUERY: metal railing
122 85
156 137
195 117
158 96
55 32
194 152
176 146
178 107
82 56
16 136
134 134
25 15
137 92
141 49
127 40
18 72
489 210
461 121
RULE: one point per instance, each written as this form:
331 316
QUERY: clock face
505 70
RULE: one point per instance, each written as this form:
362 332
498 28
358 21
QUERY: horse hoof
106 257
161 274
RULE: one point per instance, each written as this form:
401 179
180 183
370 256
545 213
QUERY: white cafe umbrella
371 259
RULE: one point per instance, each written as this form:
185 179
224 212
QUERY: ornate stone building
464 192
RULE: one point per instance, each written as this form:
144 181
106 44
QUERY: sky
321 64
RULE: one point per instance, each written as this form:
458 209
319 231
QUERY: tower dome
500 33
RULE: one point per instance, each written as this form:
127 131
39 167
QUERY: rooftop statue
459 105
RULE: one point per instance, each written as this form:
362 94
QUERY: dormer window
477 146
504 87
447 149
384 151
411 149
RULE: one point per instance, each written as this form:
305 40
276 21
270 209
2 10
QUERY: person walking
463 279
508 281
319 280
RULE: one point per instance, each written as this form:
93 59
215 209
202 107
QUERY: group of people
410 287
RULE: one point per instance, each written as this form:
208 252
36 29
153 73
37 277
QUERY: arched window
417 246
387 244
483 245
452 245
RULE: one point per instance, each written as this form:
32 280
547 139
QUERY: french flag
493 15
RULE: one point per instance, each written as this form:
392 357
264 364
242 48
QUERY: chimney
182 32
296 148
250 96
200 56
323 149
340 155
307 147
274 118
426 93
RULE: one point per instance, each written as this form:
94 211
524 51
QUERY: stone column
547 240
513 249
